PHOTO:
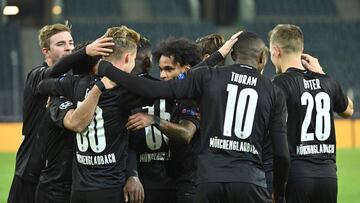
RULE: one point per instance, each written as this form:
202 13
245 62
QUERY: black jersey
29 161
153 149
238 108
101 150
56 175
183 158
311 100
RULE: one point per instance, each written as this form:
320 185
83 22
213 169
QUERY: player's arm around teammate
182 132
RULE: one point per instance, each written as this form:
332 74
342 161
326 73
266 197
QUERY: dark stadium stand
174 8
11 71
295 7
329 37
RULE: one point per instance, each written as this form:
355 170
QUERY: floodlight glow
11 10
56 10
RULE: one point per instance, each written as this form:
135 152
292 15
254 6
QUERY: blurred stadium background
331 29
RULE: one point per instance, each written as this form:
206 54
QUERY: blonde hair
49 30
125 39
289 37
210 43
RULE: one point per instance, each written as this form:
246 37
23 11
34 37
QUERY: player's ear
44 51
185 68
127 57
146 62
277 51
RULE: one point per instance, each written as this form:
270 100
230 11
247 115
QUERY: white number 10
244 117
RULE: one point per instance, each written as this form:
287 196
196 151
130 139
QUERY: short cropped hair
125 39
210 43
49 30
184 51
249 45
289 37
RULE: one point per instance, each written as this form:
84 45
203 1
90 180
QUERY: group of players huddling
97 127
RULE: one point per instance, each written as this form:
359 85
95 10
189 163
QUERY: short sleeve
58 108
189 110
340 99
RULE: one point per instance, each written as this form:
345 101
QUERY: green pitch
348 173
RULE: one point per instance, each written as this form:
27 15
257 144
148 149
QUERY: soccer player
311 99
175 56
55 42
99 169
149 143
55 178
239 109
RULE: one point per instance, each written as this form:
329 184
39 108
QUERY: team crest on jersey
65 105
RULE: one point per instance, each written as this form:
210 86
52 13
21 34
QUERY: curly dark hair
184 51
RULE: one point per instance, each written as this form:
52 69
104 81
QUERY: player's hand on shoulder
139 120
100 47
311 63
225 49
133 190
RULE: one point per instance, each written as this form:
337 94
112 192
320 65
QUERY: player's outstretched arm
138 85
99 47
220 54
77 120
182 132
226 48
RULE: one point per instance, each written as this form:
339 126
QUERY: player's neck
291 61
49 62
118 64
246 62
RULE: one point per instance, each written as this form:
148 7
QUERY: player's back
311 100
237 102
101 150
